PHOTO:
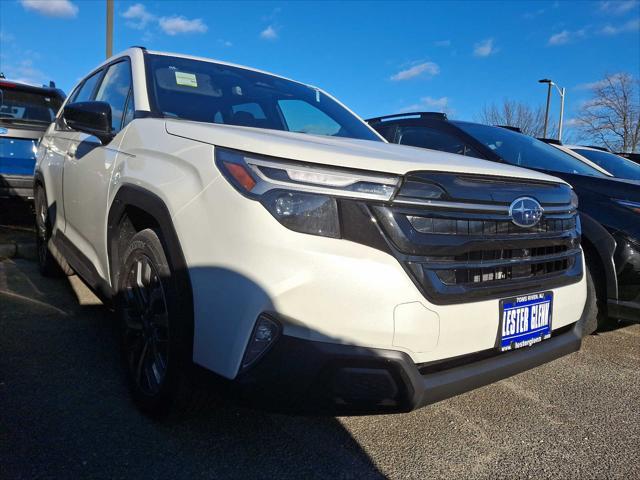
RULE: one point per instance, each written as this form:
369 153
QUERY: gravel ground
65 413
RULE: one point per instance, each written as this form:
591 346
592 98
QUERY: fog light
264 335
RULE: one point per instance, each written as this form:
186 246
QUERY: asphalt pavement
65 412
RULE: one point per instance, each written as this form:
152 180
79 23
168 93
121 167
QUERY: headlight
302 196
635 206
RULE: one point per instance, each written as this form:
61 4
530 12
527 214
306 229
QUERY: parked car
615 165
25 113
254 227
634 157
608 207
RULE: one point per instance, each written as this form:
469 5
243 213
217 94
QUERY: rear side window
433 139
84 93
21 106
114 90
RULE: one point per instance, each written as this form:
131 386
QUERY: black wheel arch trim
142 199
604 246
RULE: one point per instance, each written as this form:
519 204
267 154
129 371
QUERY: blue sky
377 57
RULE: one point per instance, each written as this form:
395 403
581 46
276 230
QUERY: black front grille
452 226
457 249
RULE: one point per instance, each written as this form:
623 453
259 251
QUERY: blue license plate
525 320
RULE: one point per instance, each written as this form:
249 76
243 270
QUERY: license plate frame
511 334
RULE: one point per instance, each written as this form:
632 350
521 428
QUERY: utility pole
109 28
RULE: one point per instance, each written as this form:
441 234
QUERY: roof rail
421 115
552 141
509 127
138 46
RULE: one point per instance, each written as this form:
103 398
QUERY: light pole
561 91
109 28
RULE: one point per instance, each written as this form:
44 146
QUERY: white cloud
51 8
428 68
138 16
533 14
630 26
429 104
269 33
178 24
591 85
443 43
6 37
619 7
560 38
225 43
25 72
566 36
484 48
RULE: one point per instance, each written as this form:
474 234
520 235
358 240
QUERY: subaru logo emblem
3 131
525 212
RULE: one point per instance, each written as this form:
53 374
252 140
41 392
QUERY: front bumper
16 186
303 376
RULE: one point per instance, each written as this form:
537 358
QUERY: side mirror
93 118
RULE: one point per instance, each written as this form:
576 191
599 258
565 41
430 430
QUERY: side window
434 139
387 131
305 118
85 91
114 90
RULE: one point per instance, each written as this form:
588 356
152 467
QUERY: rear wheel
153 343
49 266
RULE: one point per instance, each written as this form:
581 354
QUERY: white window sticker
186 79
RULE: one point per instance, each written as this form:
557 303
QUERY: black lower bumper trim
301 376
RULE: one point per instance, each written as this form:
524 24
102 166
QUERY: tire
595 310
154 341
48 264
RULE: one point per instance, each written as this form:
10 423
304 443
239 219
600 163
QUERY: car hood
345 152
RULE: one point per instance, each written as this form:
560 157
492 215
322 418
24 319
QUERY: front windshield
523 151
617 166
18 106
211 92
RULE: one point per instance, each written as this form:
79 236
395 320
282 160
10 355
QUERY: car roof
6 82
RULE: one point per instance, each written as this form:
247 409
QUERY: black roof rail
422 115
552 141
138 46
509 127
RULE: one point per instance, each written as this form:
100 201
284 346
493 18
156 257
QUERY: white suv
254 226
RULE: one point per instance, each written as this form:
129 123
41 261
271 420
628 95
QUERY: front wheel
153 344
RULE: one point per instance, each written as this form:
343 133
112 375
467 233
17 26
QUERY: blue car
25 113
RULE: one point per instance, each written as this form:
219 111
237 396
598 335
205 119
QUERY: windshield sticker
186 79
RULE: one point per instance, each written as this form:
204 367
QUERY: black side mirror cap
93 118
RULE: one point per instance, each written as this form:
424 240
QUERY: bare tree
516 114
612 116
